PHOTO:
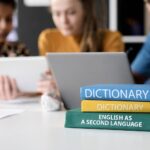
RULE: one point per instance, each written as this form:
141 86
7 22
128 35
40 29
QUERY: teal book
132 92
111 121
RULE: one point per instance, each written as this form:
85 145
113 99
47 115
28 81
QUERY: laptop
73 70
26 70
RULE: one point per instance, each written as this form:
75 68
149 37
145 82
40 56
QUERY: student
141 64
7 48
78 30
8 85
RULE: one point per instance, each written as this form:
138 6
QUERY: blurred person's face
68 16
6 14
148 7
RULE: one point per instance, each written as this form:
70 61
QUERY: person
141 65
77 30
8 85
8 48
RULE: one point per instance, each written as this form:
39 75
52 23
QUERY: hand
8 88
47 84
139 79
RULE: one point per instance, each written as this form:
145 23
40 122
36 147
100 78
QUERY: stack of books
112 106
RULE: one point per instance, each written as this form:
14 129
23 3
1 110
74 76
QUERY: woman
8 85
78 30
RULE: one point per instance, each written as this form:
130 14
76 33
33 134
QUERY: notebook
73 70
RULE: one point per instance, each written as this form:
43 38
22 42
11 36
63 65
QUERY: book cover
132 92
112 121
114 106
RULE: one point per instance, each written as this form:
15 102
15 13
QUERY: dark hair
12 3
95 21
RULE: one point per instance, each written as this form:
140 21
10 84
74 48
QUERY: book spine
111 121
116 92
114 106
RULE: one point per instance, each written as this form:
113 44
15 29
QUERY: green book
112 121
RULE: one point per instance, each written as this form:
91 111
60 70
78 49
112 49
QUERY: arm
113 42
45 42
141 65
139 79
48 85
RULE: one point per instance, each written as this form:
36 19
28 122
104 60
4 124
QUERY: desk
37 130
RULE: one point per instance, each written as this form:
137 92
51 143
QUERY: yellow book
114 106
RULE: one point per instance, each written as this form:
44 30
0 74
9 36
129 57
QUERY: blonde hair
95 21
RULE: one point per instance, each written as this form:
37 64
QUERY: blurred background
32 16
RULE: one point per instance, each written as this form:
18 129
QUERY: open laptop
26 70
73 70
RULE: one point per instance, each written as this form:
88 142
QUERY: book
112 121
114 106
132 92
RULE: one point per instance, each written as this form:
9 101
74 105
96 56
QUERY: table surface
38 130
